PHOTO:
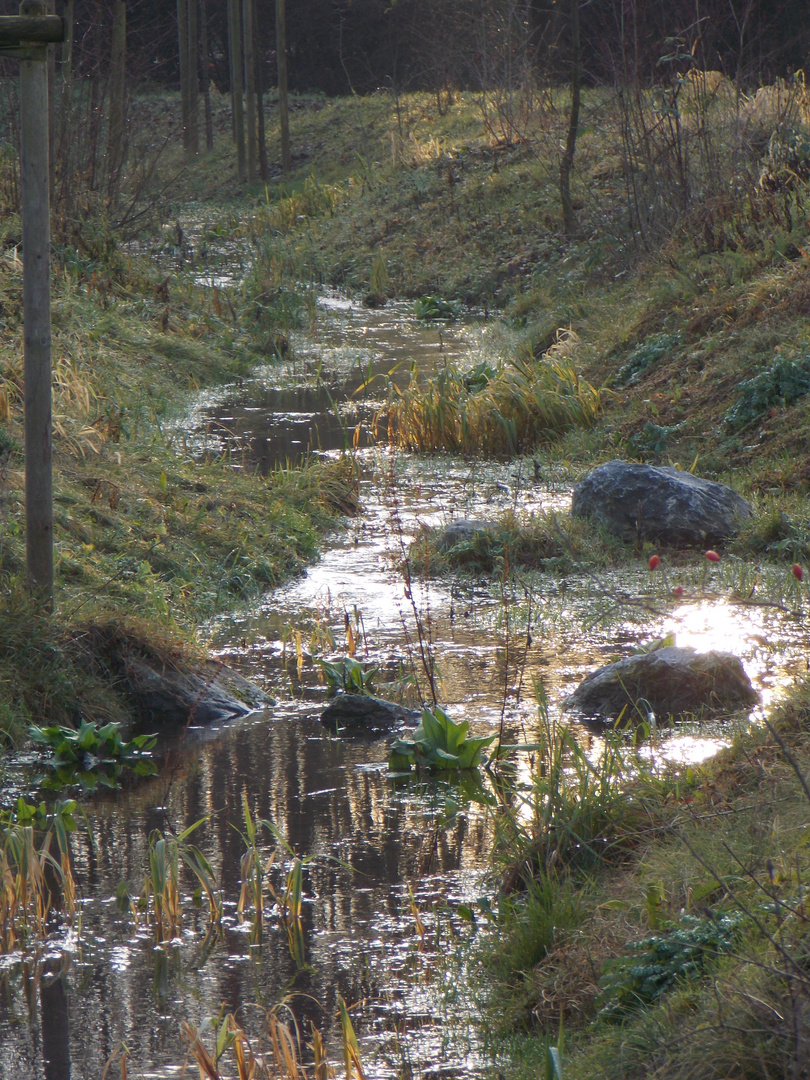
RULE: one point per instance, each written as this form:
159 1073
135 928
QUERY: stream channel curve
376 853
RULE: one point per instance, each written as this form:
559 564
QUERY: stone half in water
364 714
668 682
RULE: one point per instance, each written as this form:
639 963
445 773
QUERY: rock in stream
361 713
655 502
668 682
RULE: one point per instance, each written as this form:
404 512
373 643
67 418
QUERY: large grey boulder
667 682
167 697
358 713
655 502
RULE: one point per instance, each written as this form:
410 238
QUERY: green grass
693 919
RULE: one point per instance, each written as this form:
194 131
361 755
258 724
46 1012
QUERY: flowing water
386 863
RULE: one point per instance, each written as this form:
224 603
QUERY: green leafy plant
349 675
434 309
781 384
91 756
682 951
439 745
160 897
653 439
643 357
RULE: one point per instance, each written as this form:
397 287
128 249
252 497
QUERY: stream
386 863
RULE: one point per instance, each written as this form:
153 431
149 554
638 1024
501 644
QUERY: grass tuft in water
525 401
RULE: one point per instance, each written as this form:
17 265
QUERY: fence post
36 312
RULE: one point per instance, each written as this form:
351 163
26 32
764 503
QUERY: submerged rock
363 713
667 682
655 502
462 532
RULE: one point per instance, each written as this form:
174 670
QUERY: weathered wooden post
26 37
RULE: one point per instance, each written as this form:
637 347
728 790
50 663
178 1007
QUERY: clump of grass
34 881
547 541
524 402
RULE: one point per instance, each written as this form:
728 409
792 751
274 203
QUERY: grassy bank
148 532
654 923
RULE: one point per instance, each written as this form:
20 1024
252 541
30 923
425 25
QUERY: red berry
798 573
712 556
654 561
678 590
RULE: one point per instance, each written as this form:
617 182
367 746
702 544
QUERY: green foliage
644 357
683 951
438 745
781 384
479 377
92 756
349 675
652 440
435 309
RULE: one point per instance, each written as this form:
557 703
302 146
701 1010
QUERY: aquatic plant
160 897
91 756
351 1049
289 899
349 675
434 309
277 1055
33 880
438 745
252 870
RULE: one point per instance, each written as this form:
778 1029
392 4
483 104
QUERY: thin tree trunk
182 52
66 96
193 78
35 213
50 9
283 104
264 165
567 162
118 63
238 116
206 82
250 90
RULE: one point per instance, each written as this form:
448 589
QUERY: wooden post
36 239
